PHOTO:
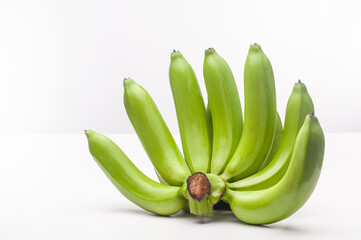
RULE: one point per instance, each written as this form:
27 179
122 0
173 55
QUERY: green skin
260 117
276 142
288 195
227 119
218 188
132 183
191 114
154 134
209 123
298 106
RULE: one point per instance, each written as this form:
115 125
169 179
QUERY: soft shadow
224 216
140 211
275 227
288 228
228 216
218 216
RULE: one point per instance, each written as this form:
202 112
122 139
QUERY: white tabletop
51 188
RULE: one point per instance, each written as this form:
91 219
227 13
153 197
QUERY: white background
62 62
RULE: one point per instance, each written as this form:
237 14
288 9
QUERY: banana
276 142
288 195
298 106
226 111
260 117
154 134
132 183
191 114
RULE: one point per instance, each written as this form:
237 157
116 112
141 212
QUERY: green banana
288 195
191 114
260 117
276 142
298 106
132 183
154 134
259 170
226 111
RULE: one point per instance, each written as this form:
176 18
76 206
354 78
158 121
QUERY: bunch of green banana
263 171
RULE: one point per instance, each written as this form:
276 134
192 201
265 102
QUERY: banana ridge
275 144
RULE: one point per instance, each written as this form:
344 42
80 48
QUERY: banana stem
202 208
198 190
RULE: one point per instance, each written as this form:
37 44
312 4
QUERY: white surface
62 62
51 188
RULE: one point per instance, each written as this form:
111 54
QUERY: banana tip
299 82
209 51
88 132
255 48
175 54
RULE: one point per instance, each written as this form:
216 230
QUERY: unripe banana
132 183
298 106
288 195
276 142
259 117
226 111
191 114
154 134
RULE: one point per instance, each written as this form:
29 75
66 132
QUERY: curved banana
191 114
288 195
132 183
276 142
154 134
259 117
298 106
226 111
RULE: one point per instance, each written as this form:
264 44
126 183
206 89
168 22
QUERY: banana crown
263 170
